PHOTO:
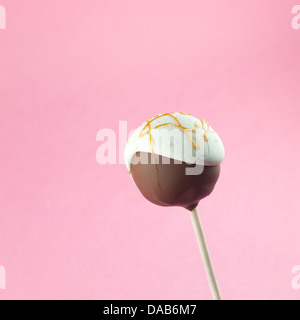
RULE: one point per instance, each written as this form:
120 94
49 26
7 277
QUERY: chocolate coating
166 184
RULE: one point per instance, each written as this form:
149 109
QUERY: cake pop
174 160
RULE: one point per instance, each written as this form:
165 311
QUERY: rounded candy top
178 136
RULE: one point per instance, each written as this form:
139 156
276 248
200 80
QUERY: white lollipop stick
205 255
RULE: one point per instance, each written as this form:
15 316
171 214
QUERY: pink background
73 229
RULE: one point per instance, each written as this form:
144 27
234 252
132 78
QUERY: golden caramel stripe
149 122
202 124
205 130
178 125
193 130
198 144
170 115
166 124
152 143
143 134
191 141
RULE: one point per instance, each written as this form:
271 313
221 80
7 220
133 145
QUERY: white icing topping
179 136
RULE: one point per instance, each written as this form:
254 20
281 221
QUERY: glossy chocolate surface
165 182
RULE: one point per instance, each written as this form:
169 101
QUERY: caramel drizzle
205 130
186 131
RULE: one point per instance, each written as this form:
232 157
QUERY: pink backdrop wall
73 229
